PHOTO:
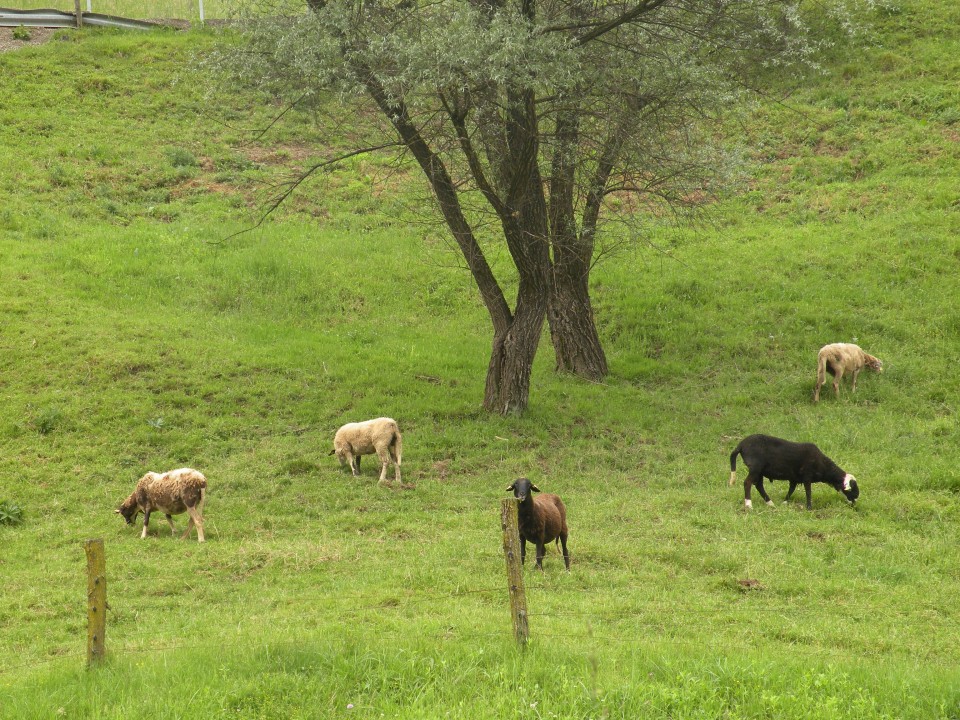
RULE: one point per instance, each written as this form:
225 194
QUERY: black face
522 488
853 493
129 514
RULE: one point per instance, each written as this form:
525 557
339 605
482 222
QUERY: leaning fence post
96 601
511 553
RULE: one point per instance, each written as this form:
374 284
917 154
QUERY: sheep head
129 509
522 488
849 488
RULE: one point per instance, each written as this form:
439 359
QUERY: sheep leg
384 456
146 521
566 555
354 462
747 484
523 550
763 492
173 530
395 457
855 373
806 489
541 551
195 519
837 377
793 486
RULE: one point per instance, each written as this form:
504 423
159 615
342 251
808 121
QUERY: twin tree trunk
557 286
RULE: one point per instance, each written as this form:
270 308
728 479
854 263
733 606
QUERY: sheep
800 463
171 493
839 358
542 519
380 436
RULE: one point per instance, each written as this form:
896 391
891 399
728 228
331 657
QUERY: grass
136 335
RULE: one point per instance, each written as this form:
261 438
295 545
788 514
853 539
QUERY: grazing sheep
171 493
800 463
840 358
542 519
380 436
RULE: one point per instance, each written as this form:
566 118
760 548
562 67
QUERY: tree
534 113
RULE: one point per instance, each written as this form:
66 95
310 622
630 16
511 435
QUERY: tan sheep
840 358
380 436
171 493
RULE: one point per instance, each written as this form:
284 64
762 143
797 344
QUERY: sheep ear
535 488
332 452
509 487
117 511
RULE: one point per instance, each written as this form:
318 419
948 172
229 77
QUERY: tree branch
627 17
292 185
473 160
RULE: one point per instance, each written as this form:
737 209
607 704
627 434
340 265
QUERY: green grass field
137 334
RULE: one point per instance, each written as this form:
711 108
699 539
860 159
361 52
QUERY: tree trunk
511 359
576 342
572 330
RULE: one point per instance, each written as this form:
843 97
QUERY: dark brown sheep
542 519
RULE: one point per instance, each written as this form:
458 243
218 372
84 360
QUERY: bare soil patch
38 36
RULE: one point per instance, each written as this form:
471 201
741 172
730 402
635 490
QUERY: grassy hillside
137 335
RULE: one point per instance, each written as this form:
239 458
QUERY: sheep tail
733 465
821 368
396 447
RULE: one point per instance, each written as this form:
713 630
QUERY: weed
10 513
180 157
47 420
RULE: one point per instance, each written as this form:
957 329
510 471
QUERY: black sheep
542 519
800 463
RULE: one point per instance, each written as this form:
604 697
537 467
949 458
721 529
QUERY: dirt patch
279 154
38 36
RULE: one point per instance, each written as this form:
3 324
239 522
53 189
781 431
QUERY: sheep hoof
771 503
384 483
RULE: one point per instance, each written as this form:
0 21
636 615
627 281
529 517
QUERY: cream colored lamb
841 358
380 436
171 493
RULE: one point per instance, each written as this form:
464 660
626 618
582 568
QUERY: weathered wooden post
76 5
96 601
511 553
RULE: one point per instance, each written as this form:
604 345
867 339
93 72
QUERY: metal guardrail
59 19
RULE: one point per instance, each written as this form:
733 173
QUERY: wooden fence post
76 5
511 553
96 601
